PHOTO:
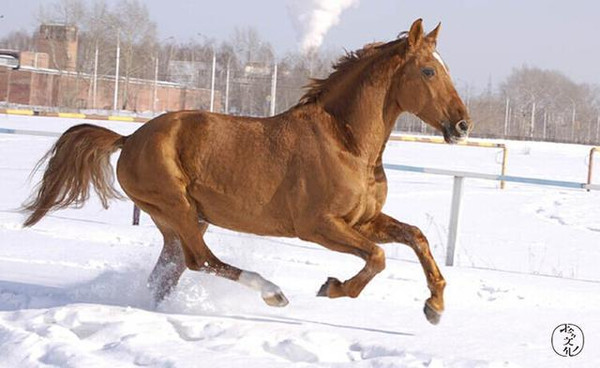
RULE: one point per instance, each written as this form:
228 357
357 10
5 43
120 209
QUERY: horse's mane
317 86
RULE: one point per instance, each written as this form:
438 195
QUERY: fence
438 140
72 115
457 192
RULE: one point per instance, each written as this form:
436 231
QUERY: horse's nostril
462 126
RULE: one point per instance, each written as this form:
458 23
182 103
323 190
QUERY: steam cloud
313 18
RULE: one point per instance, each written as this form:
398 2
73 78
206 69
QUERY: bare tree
62 11
17 40
549 105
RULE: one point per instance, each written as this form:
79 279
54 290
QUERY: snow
73 288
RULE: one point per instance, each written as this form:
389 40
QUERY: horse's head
424 87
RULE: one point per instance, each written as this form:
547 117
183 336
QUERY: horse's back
232 167
246 174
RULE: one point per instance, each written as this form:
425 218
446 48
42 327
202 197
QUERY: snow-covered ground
73 288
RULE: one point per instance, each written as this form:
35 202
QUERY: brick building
51 88
60 42
48 77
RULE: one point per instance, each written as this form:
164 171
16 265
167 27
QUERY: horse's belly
242 211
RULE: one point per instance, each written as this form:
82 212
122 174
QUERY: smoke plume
313 18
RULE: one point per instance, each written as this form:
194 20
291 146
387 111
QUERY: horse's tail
80 156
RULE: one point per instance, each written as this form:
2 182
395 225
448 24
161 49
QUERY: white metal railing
457 192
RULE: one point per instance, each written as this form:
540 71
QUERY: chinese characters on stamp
567 340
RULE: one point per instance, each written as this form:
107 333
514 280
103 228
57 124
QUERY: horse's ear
415 35
433 35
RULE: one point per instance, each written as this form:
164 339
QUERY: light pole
95 83
227 87
212 81
274 89
598 129
115 98
573 114
532 124
506 117
155 89
532 116
213 72
545 123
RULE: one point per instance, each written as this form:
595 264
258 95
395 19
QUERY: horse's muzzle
454 133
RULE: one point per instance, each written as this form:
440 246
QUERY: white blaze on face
439 59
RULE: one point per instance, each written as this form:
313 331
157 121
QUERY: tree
138 36
549 105
17 40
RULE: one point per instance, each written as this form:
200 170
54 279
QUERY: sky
481 40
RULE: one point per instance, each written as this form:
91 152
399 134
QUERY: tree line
530 103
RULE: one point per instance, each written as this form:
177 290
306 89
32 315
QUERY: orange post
591 165
503 170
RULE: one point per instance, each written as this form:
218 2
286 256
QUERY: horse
314 172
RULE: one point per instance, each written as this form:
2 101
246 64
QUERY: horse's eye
428 72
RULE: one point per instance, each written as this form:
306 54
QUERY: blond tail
80 156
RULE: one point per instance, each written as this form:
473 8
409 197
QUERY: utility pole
573 121
117 71
154 92
506 117
532 125
95 86
274 90
212 82
155 89
227 89
545 123
598 129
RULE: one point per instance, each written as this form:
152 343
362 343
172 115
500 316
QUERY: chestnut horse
314 171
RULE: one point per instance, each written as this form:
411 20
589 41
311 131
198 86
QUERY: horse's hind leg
204 260
385 229
198 257
170 265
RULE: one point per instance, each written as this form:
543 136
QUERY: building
49 78
60 42
51 88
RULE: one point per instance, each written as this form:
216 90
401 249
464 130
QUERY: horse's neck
361 107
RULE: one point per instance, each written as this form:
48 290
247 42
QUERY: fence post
136 215
503 171
591 165
457 190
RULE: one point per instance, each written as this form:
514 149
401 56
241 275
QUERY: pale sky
480 39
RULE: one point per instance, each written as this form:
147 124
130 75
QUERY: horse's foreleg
336 235
385 229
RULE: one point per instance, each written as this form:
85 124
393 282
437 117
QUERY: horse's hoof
324 290
432 315
276 299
